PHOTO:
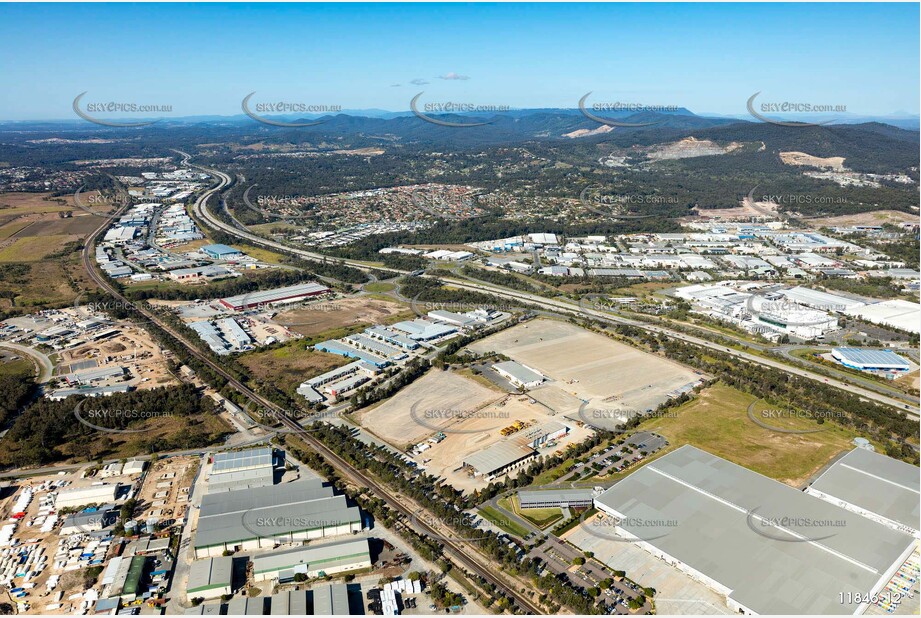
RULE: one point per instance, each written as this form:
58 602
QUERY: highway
202 212
42 363
461 551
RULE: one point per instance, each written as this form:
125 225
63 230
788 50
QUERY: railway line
907 406
470 558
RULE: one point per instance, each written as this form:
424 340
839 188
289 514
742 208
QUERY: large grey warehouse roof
278 294
518 371
290 603
332 600
875 483
276 495
314 556
236 460
241 479
497 456
778 550
275 521
210 573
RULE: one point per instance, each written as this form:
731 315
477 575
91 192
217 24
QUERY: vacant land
589 366
15 204
133 348
34 272
801 158
498 519
33 248
287 366
717 422
431 403
324 316
877 217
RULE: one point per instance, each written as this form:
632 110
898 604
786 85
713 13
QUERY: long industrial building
210 578
313 561
767 547
871 360
244 469
555 498
289 294
263 517
73 497
881 488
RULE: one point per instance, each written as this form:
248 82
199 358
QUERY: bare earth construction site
588 368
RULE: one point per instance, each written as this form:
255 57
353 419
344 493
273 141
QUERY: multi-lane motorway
463 553
204 214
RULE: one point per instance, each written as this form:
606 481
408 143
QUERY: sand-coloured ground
590 366
434 402
801 158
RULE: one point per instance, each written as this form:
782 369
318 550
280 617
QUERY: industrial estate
556 361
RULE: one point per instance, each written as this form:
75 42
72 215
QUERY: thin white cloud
418 82
453 76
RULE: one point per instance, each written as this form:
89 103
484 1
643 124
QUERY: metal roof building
262 517
555 498
210 578
769 548
233 461
499 457
220 251
289 294
876 486
247 606
313 561
241 479
338 347
290 603
332 600
870 360
518 374
823 301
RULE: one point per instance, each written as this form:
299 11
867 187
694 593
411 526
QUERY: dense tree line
45 427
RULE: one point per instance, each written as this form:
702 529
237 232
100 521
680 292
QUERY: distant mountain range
566 120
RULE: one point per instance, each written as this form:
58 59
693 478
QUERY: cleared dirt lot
344 312
801 158
290 365
876 217
590 366
473 435
431 403
165 492
132 348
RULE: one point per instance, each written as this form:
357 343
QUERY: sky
203 59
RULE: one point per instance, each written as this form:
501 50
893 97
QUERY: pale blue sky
204 58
